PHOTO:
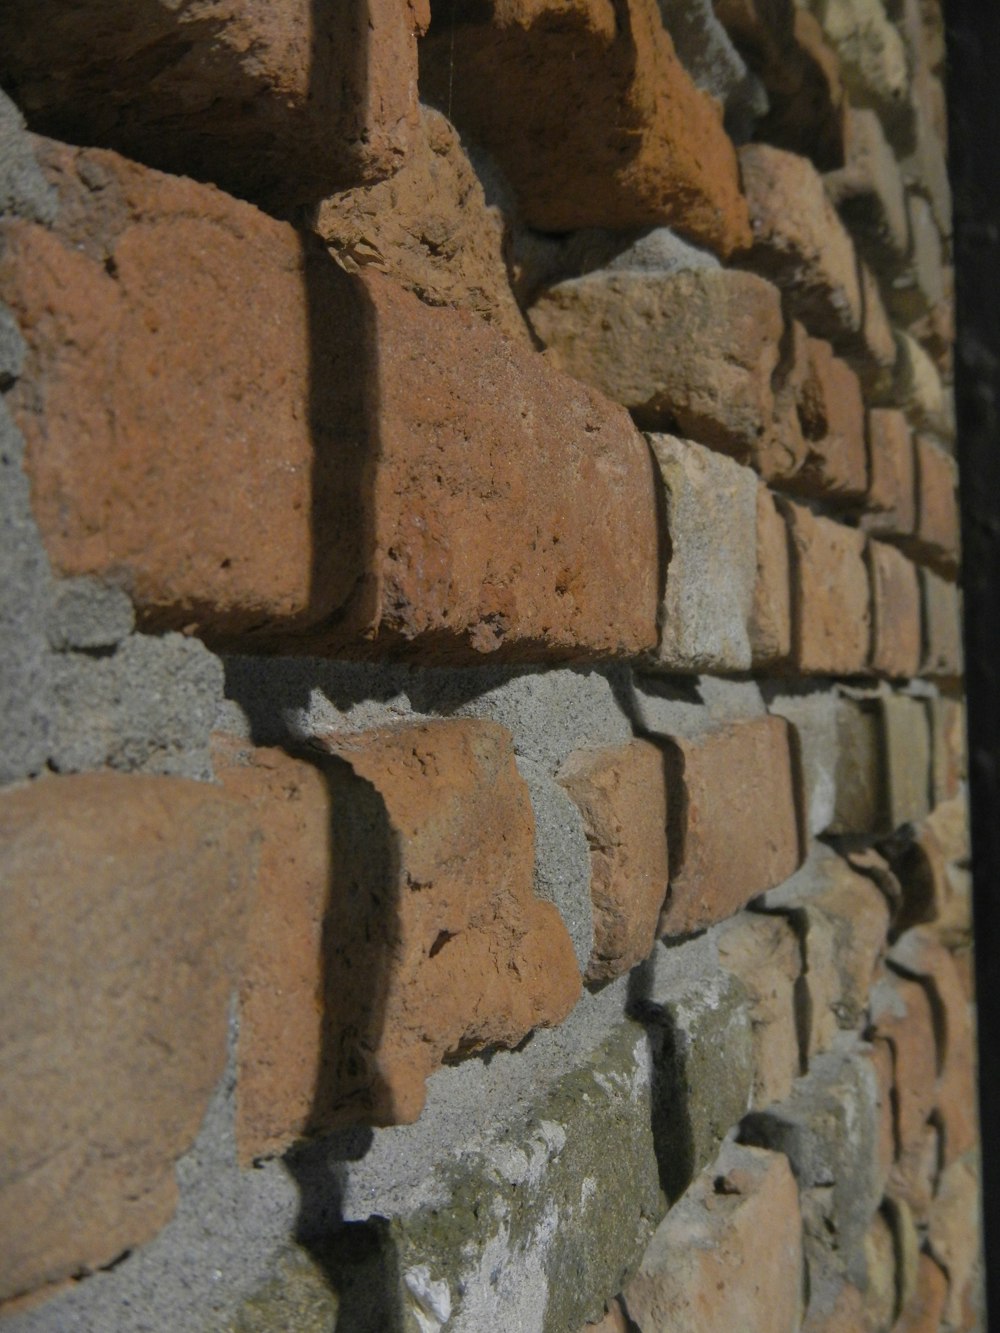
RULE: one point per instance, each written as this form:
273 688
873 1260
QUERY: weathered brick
954 1238
868 190
731 836
770 622
918 286
766 956
621 136
709 56
892 469
924 1311
942 626
414 920
813 714
417 502
919 389
901 1014
835 1305
881 1059
881 1270
907 747
871 352
860 803
621 794
947 718
896 612
613 1322
431 229
831 599
936 539
832 415
926 167
799 242
275 103
701 1271
873 57
693 351
123 909
710 511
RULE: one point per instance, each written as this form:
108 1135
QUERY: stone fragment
936 539
892 470
414 919
275 103
896 612
701 1270
924 1311
770 624
799 242
123 910
954 1237
926 167
693 352
942 626
621 794
404 504
832 415
431 228
831 599
764 953
813 714
731 835
868 190
710 512
613 1322
649 148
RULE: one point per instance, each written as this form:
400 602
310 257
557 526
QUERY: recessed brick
765 954
124 902
396 885
799 241
831 601
832 415
710 511
942 626
693 352
353 467
771 615
896 612
936 539
275 103
813 714
621 794
892 491
731 836
620 135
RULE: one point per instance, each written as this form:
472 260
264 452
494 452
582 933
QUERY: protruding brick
799 242
896 612
621 136
892 493
413 919
404 477
621 794
731 836
710 510
831 600
832 414
942 627
936 539
693 352
766 956
868 190
771 614
278 102
701 1271
919 388
122 928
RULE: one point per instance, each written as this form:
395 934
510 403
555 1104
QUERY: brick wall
483 826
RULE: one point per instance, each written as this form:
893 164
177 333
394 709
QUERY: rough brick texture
771 614
936 538
896 625
731 835
282 102
831 599
122 914
942 626
766 956
649 148
831 412
892 494
397 502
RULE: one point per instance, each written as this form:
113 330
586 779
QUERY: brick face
123 909
831 599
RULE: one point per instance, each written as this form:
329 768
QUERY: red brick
942 626
832 414
619 135
871 352
123 910
892 466
896 612
799 242
924 1311
731 836
621 794
880 1264
771 616
936 539
274 102
353 467
901 1013
766 956
881 1058
831 601
431 943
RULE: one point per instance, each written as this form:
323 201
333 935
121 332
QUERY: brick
871 352
832 414
765 954
873 57
770 624
892 469
835 1306
123 911
307 544
731 836
880 1262
621 794
954 1237
860 783
936 539
710 512
919 389
918 286
692 352
621 136
918 860
901 1014
896 612
831 600
923 1313
799 242
906 742
431 229
947 719
926 167
701 1271
275 103
942 627
881 1059
914 1178
414 918
868 190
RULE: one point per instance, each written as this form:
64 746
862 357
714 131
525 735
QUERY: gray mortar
24 191
662 251
12 348
87 613
689 706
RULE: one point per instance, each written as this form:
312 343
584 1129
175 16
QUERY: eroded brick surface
831 599
896 612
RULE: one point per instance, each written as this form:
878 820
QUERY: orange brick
831 600
936 539
765 954
832 414
771 616
896 612
892 466
902 1015
954 1238
924 1311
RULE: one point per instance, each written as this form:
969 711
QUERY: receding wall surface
483 830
